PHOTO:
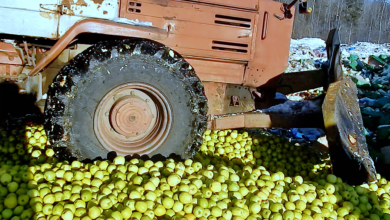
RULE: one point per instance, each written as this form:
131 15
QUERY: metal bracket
235 101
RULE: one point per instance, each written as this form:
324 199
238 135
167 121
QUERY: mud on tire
79 87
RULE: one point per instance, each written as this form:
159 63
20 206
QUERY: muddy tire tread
69 81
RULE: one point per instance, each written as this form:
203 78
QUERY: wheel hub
133 115
133 118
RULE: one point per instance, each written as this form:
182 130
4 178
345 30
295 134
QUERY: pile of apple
213 185
274 153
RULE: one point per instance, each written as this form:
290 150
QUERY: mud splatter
45 15
98 1
81 3
68 4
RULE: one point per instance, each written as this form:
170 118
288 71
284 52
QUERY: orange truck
149 76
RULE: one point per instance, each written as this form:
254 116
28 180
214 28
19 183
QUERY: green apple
12 186
354 201
23 200
5 178
49 175
11 149
106 203
13 172
119 160
331 178
6 213
126 213
60 173
26 177
49 199
58 209
23 185
47 209
86 195
18 210
78 175
11 202
80 212
24 167
3 191
21 191
67 215
17 178
27 214
346 195
43 192
21 152
94 212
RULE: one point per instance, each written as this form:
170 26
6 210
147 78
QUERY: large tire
79 89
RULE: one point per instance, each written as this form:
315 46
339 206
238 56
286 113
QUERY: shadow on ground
16 108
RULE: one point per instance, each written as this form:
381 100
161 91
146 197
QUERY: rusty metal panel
27 22
197 30
274 120
8 54
223 123
216 94
105 9
10 71
187 11
258 120
345 133
32 5
219 97
215 71
300 81
263 120
75 11
271 50
243 4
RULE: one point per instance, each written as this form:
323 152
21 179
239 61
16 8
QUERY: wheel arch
98 27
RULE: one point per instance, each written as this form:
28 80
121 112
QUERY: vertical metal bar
265 26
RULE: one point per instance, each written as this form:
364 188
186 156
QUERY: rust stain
105 12
81 12
170 18
68 4
221 91
45 15
98 1
81 3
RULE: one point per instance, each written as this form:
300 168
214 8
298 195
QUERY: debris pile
306 54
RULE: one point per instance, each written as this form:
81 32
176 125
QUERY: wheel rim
133 118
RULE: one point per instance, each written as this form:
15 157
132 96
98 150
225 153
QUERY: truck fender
95 26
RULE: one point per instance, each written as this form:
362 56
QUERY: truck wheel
128 96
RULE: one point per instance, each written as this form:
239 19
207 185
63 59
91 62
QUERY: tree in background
358 20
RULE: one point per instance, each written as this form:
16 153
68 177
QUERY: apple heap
14 187
228 144
12 148
209 186
37 145
277 154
